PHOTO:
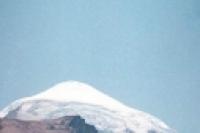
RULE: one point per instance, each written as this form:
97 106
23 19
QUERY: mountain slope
75 98
67 124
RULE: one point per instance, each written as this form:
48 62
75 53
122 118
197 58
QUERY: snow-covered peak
74 91
75 98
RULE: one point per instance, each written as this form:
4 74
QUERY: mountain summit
74 91
74 98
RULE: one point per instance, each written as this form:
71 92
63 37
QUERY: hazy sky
143 53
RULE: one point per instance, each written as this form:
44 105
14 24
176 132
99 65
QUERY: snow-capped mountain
75 98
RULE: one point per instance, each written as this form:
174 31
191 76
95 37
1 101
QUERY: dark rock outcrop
67 124
80 127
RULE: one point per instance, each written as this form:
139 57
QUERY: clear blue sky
143 53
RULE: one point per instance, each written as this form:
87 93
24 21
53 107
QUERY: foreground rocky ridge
67 124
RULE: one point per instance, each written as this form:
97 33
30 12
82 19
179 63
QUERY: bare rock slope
67 124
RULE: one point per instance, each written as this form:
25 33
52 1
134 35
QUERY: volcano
73 98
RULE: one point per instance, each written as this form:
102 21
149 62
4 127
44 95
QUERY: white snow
79 92
76 98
